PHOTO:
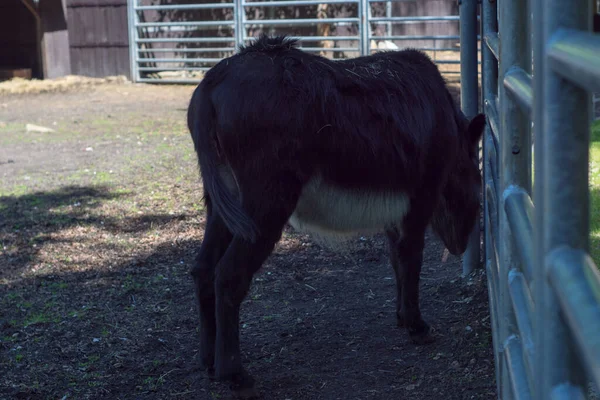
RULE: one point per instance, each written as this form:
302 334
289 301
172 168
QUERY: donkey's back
362 138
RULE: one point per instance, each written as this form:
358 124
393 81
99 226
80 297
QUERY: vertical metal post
489 64
363 12
539 285
132 39
515 156
469 102
240 28
388 14
565 191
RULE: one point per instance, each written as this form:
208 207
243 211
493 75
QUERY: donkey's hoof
247 393
422 334
243 387
400 319
210 372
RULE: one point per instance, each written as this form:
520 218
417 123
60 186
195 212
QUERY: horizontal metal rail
519 210
576 56
492 116
576 281
186 23
184 6
318 38
513 354
178 60
415 19
300 21
524 310
334 49
295 3
493 43
519 85
188 40
170 81
416 37
186 50
567 391
162 69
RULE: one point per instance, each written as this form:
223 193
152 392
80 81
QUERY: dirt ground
99 223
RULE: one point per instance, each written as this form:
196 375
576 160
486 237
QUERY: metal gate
176 41
544 289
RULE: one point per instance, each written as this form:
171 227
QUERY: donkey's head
458 209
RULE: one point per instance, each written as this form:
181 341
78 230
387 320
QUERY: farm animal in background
335 148
383 45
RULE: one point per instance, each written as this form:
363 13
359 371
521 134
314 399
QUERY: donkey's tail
202 126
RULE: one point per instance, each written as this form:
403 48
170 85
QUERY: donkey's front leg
407 259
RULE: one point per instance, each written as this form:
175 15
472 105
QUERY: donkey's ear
475 130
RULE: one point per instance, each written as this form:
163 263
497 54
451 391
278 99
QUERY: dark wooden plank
55 38
99 38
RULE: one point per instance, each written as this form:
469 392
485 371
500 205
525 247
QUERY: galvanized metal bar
178 60
492 164
297 3
416 37
470 104
575 55
240 28
196 6
489 24
187 50
364 28
133 39
576 281
170 81
492 205
388 13
524 312
565 391
519 386
335 49
539 276
187 40
515 161
493 43
491 113
158 69
565 192
519 210
184 23
519 85
301 21
426 18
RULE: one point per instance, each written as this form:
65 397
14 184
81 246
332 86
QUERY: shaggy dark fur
267 121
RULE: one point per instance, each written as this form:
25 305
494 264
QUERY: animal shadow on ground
316 324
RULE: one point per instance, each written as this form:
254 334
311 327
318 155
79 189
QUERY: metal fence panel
546 296
176 43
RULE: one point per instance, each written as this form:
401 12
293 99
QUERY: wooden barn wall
98 37
18 38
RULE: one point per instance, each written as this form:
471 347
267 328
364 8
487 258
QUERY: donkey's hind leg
216 240
270 203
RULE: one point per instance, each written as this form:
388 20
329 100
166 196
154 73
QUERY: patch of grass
38 318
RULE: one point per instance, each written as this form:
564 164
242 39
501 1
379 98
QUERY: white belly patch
332 213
